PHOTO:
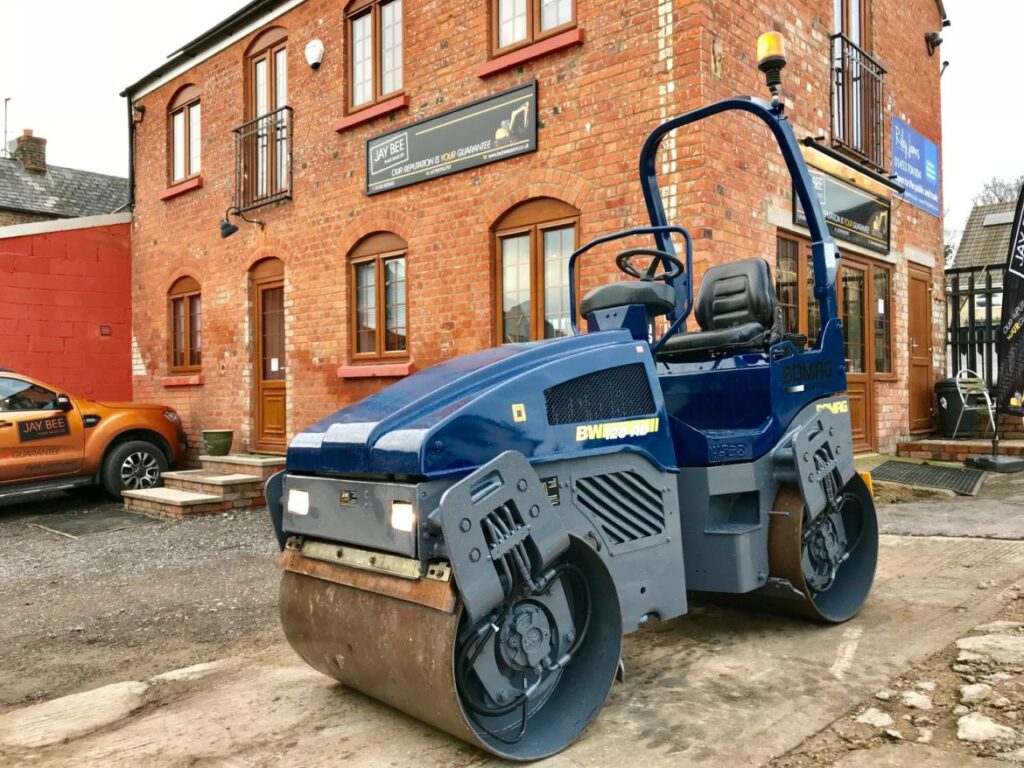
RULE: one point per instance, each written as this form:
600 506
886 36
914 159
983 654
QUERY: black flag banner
1010 386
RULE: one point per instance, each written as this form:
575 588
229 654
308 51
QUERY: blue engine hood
458 415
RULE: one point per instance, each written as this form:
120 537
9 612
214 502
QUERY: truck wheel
133 466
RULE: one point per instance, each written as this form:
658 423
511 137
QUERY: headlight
402 516
173 417
298 502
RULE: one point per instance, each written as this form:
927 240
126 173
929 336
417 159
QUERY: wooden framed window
375 51
184 135
516 23
864 294
267 159
378 298
533 243
184 310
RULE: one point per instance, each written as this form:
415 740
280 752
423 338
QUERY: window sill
372 113
182 187
182 380
556 43
375 370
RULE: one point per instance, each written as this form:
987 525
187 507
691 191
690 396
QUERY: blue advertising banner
915 161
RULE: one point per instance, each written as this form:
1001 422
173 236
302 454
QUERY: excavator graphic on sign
514 126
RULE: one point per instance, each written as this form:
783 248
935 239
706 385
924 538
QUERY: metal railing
858 83
974 297
263 160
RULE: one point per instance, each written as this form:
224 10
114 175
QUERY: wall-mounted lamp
933 41
314 53
943 70
227 229
138 113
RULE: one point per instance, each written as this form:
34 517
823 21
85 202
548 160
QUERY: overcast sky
64 76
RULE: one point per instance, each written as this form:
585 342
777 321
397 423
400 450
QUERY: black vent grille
625 505
613 393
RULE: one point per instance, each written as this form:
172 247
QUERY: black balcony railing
858 105
263 160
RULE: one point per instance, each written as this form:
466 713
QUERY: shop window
375 44
883 319
378 297
864 293
516 23
184 135
186 325
533 243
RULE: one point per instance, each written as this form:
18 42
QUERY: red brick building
338 291
65 304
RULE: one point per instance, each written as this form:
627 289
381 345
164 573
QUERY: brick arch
268 249
176 271
559 184
379 220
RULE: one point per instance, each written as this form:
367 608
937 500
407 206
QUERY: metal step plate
966 482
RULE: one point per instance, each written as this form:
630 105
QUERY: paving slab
913 756
996 518
716 688
70 717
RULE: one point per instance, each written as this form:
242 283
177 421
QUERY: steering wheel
624 261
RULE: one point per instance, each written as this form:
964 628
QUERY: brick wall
20 217
56 291
639 64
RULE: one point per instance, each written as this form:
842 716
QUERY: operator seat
658 298
737 310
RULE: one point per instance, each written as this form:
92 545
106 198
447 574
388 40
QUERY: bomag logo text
803 374
835 406
616 430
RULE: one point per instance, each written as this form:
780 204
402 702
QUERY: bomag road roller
471 544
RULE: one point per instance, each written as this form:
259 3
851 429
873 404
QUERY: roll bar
824 255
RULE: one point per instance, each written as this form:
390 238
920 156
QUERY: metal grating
626 506
966 482
613 393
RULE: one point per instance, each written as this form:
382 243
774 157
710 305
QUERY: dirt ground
128 605
924 705
78 613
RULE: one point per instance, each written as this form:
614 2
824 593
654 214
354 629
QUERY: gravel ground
79 613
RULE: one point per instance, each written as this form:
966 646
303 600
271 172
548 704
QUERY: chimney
31 151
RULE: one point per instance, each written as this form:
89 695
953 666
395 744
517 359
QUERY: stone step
258 465
174 503
229 486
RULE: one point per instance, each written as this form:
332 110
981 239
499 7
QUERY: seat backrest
737 293
970 384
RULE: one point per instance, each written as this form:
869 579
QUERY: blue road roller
471 544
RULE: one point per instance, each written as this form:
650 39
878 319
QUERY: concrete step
231 486
174 503
256 464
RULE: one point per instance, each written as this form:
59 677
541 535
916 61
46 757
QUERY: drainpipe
130 202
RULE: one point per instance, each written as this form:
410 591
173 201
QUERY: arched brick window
377 297
184 314
184 135
533 242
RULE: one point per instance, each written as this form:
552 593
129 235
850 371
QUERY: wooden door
853 303
269 364
919 335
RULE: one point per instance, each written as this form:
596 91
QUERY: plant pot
218 441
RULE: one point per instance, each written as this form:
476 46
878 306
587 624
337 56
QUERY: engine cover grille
613 393
625 505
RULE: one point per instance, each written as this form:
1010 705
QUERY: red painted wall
56 290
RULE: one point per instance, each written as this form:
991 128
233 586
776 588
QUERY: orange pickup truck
50 440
